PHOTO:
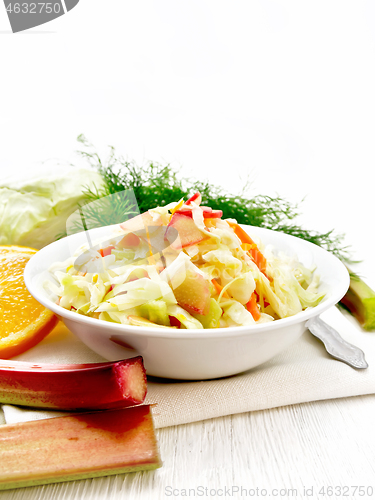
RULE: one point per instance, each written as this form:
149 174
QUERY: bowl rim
196 334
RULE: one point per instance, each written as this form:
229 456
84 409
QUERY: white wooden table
294 451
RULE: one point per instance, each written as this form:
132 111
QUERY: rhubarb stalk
92 386
78 446
360 301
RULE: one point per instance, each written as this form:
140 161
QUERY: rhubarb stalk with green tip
360 301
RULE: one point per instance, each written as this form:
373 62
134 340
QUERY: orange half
23 321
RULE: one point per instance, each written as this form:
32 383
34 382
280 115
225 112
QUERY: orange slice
23 321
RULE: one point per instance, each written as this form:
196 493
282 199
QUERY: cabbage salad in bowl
183 266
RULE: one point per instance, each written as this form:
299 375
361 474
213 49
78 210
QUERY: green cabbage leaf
33 212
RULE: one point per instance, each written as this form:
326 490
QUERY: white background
281 92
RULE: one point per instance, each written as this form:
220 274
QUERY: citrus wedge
23 321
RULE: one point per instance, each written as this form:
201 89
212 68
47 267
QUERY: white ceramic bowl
192 354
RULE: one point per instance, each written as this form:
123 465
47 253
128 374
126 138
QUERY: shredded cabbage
214 275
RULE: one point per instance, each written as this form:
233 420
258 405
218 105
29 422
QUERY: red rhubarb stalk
77 447
94 386
197 198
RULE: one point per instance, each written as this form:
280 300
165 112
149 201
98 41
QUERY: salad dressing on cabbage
183 266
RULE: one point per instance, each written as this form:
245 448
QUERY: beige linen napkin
303 372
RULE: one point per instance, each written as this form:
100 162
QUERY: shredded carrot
251 248
219 288
106 251
241 233
252 307
178 206
256 255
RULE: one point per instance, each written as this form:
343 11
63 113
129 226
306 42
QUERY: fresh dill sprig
156 185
